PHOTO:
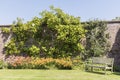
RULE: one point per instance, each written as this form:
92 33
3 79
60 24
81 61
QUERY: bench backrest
101 60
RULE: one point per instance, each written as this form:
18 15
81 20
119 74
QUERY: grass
54 75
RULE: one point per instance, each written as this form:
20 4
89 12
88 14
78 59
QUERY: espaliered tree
55 34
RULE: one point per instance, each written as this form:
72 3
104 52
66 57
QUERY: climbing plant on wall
55 34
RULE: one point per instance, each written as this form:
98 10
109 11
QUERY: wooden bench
100 62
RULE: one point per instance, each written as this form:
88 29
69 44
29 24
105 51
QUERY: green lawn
54 75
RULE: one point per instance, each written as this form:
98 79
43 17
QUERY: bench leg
92 69
105 71
86 68
112 70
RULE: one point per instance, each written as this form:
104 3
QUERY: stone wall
4 38
1 45
113 30
114 33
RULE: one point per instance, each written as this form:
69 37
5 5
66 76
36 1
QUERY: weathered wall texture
1 44
113 30
4 38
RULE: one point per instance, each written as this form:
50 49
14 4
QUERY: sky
85 9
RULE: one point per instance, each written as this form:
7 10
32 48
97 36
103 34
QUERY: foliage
96 38
19 62
33 50
116 68
5 30
11 48
55 34
69 38
78 63
63 64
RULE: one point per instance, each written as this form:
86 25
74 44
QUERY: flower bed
19 62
